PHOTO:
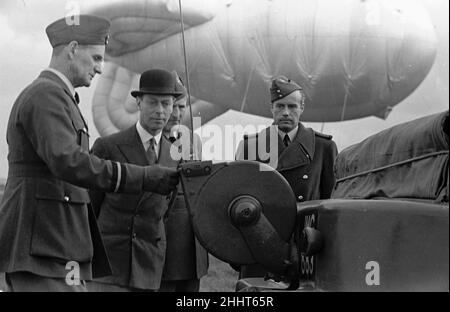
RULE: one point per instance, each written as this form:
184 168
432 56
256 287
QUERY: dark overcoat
132 226
185 257
307 164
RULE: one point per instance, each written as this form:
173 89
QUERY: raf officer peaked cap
157 82
85 29
281 87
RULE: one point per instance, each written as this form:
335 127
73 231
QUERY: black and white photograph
202 147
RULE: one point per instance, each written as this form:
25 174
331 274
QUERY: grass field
221 277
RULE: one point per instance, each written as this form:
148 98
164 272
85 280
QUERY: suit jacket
185 257
132 226
45 218
307 164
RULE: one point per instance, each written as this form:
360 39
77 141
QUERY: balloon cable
345 104
191 154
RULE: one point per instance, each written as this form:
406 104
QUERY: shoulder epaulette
322 135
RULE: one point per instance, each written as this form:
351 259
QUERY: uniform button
300 197
305 177
66 199
134 235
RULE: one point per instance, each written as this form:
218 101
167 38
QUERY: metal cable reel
242 212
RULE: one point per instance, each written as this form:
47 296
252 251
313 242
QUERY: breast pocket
61 223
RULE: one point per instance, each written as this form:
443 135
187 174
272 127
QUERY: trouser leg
190 285
30 282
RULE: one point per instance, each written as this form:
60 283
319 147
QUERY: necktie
286 140
151 153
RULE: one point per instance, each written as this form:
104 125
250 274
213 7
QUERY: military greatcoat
306 163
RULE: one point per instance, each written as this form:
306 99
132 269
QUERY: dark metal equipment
385 228
242 212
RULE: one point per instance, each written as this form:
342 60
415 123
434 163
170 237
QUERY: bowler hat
158 82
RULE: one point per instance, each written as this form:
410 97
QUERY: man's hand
160 179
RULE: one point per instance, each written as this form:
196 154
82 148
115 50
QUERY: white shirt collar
63 78
145 136
291 133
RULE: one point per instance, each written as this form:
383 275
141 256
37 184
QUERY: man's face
287 111
87 61
155 110
179 107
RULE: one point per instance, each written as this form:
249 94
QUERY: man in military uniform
48 233
186 260
132 225
304 157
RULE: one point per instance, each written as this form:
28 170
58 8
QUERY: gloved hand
160 179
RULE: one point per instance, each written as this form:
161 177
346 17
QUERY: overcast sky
26 52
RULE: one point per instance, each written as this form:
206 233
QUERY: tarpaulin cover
409 160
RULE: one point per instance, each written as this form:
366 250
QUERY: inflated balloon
354 58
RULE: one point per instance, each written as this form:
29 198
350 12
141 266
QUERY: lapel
51 76
300 152
164 158
131 147
274 146
195 148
